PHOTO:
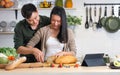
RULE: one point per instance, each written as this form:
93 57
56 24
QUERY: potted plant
73 21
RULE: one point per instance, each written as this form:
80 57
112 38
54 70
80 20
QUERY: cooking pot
112 23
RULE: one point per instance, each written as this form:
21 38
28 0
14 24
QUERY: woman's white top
53 46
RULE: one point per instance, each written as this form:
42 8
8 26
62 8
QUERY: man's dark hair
63 34
27 10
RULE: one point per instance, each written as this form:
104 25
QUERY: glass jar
106 59
68 4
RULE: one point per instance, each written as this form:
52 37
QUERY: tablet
93 60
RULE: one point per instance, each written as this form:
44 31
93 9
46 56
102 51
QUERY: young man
26 28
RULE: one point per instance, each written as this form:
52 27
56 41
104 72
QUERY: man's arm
30 50
24 50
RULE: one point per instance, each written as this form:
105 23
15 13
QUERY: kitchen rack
89 4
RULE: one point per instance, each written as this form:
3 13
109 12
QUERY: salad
7 54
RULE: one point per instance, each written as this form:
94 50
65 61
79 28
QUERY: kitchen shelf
51 8
16 10
6 32
8 9
12 9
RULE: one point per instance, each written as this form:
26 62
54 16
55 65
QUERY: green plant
73 20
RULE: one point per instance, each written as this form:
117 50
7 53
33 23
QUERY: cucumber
116 63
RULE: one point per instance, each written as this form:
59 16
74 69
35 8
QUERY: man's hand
39 55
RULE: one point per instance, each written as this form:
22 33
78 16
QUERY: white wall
87 40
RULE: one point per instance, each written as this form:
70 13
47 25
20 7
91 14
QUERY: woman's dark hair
63 34
27 10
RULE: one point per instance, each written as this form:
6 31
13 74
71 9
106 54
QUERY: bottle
68 4
59 3
106 59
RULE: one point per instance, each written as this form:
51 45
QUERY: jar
68 4
106 58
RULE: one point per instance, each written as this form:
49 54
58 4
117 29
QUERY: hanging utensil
90 20
119 14
86 23
95 23
103 19
16 14
112 23
99 24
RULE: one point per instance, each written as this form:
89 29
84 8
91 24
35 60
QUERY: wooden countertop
64 71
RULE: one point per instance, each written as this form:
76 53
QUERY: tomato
60 65
11 58
52 65
76 65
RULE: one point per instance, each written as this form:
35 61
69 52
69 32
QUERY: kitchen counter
62 71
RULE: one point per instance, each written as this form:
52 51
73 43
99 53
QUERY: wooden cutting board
35 65
2 66
28 65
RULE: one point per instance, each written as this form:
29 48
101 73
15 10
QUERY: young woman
56 39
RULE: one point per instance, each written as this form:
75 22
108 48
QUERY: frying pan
112 23
103 19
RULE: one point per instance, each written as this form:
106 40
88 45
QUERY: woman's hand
59 54
63 53
39 55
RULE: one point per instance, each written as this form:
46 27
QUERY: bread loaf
15 63
51 59
66 59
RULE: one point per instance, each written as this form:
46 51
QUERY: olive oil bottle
59 3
